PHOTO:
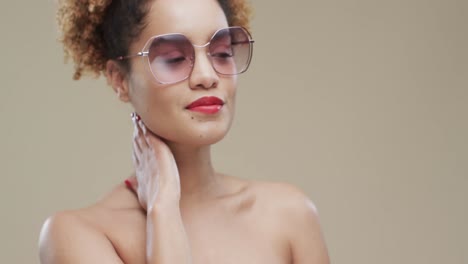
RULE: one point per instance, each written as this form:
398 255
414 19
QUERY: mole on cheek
191 117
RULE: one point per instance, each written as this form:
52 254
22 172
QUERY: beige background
364 104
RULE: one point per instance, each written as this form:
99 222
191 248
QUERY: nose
203 75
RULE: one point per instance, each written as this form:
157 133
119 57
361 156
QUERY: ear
116 78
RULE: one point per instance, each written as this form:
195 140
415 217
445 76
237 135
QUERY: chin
192 131
200 135
206 137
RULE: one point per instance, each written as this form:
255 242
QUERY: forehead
197 19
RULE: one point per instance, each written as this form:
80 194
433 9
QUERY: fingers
136 160
152 158
144 136
145 140
139 132
142 140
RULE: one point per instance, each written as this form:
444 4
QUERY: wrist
163 206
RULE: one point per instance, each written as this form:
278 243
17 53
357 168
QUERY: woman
177 63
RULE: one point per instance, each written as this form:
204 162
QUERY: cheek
145 94
230 85
231 92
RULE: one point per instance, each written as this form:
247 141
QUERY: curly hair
94 31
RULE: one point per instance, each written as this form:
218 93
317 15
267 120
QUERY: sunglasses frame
145 52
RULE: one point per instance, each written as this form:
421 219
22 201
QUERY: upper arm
66 239
305 234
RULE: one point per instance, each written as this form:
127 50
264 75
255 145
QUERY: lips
207 105
206 101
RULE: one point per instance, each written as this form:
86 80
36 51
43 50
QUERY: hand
156 175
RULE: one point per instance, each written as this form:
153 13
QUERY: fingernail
137 117
132 115
129 184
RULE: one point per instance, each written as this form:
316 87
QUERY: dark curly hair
94 31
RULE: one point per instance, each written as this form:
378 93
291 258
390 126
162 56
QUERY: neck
198 180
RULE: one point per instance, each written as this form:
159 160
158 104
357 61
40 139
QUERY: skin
204 216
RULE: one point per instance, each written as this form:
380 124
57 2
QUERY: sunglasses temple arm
243 42
139 54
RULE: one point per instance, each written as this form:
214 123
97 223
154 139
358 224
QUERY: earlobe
116 78
121 94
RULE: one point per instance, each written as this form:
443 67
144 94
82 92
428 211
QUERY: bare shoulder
79 235
297 217
284 196
274 194
62 226
281 200
66 238
119 203
289 201
58 227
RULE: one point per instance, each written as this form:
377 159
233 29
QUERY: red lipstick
206 105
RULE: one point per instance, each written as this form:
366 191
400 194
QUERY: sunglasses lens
170 57
230 50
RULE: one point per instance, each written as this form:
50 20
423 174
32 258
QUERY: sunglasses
171 56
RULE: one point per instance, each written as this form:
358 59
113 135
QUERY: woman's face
163 107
